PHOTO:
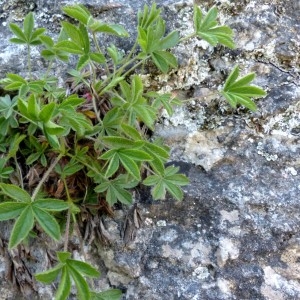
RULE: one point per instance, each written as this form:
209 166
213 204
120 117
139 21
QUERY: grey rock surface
236 235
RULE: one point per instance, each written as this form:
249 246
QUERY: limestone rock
236 233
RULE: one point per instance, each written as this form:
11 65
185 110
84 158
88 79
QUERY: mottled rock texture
236 233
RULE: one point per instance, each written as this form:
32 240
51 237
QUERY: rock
236 233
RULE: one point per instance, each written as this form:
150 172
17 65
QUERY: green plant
92 142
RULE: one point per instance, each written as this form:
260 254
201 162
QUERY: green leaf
49 275
47 222
119 142
22 227
169 41
113 294
135 154
131 132
130 166
114 29
15 144
33 108
51 204
52 128
239 91
28 26
164 60
97 57
73 32
46 112
14 192
169 181
63 256
70 47
64 287
82 61
83 268
147 18
83 291
77 12
207 28
18 32
113 166
10 210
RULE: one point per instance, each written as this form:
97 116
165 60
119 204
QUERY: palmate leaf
169 181
207 28
28 35
146 18
238 91
116 189
128 158
69 269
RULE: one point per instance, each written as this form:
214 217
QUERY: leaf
46 112
64 287
83 291
70 47
164 60
169 181
15 145
52 128
10 210
119 142
114 29
63 256
131 132
130 166
77 12
73 32
239 91
207 28
28 26
113 166
51 204
15 192
49 275
82 61
97 57
83 268
22 227
135 154
113 294
18 32
169 41
47 222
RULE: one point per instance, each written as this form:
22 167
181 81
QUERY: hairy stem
29 61
67 230
45 176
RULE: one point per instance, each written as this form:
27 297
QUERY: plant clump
74 149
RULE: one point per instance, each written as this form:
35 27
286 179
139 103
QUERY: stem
81 245
45 176
68 217
48 69
19 172
183 39
135 66
67 230
29 61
